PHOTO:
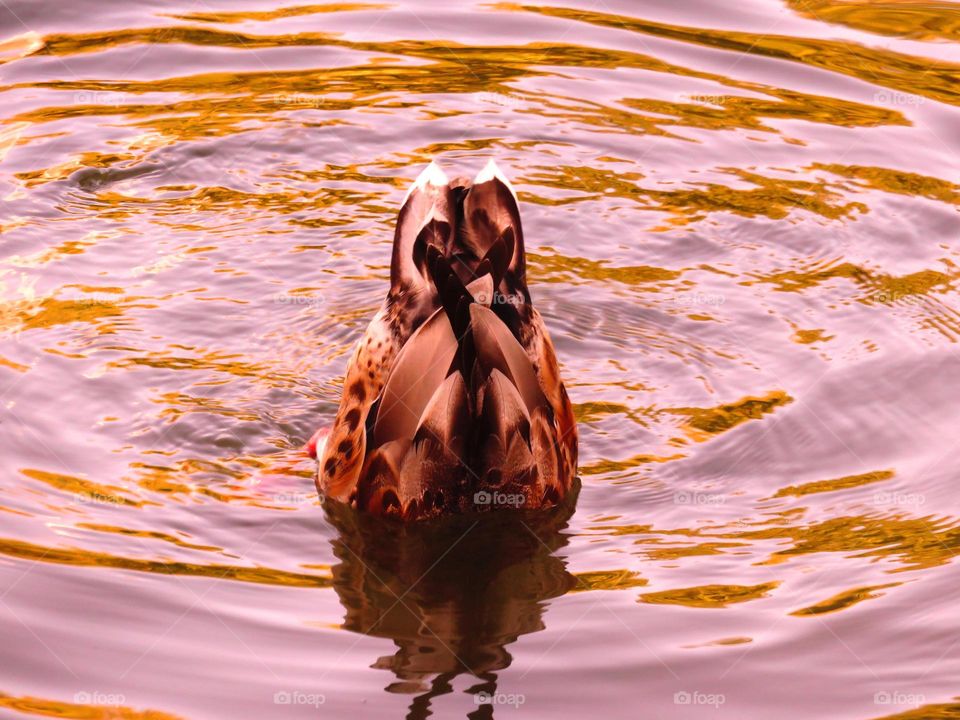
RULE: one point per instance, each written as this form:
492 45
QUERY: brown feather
489 214
505 424
497 348
419 369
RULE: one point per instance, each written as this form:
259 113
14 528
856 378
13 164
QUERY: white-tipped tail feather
491 171
431 175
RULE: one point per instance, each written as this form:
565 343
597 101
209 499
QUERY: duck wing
418 444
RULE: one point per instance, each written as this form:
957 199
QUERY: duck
452 399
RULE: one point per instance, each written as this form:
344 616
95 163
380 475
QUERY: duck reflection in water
451 593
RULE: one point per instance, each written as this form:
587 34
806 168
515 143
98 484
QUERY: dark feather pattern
453 399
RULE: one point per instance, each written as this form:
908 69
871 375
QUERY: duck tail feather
427 218
490 216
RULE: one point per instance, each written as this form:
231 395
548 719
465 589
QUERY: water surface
742 232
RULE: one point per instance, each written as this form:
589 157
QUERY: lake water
742 226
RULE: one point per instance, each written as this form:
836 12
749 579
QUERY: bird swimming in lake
452 400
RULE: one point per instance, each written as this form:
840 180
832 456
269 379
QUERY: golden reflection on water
43 707
709 596
898 71
741 230
913 19
284 12
843 483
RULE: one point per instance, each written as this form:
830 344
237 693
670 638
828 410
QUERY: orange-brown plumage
453 397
